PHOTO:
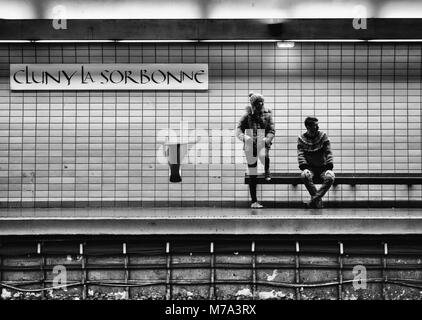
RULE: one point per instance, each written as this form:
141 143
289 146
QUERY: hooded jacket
255 121
314 152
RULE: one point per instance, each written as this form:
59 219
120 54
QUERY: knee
262 154
306 175
329 176
252 179
252 165
251 161
252 169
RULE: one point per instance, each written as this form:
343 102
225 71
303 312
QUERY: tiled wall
77 146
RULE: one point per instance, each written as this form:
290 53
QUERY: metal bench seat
345 178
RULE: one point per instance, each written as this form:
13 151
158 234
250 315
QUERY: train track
312 267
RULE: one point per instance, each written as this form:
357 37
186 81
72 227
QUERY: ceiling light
14 41
73 41
155 41
285 44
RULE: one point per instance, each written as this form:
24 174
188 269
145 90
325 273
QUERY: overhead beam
211 29
333 29
174 29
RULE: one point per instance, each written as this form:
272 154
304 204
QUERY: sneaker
267 175
309 205
316 203
319 204
256 205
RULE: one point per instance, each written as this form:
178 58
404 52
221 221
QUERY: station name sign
109 76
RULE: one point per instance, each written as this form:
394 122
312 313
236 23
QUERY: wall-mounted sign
109 76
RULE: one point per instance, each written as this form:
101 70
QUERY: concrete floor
216 213
161 221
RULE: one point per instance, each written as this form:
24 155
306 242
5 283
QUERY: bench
344 178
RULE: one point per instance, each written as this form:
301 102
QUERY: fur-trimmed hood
264 110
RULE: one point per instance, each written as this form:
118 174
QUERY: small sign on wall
109 76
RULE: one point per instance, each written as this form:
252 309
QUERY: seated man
315 159
256 130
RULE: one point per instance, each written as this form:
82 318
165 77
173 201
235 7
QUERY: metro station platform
209 221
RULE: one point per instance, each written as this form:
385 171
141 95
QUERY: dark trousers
327 177
251 156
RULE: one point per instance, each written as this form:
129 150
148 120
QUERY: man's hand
307 172
246 138
267 142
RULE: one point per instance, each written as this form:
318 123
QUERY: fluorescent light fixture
285 44
72 41
15 41
239 40
395 40
156 41
326 40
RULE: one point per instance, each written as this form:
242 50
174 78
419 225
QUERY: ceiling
208 9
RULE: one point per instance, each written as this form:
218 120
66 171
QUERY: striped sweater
314 152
